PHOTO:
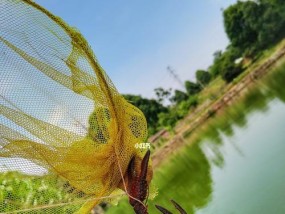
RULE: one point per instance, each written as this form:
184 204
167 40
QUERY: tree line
160 116
252 27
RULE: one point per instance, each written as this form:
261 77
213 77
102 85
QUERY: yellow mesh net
67 135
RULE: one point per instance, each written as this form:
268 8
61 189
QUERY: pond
234 163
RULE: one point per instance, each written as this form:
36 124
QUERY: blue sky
136 40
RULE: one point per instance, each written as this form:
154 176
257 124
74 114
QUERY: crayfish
138 186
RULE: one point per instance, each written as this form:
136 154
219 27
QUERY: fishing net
67 135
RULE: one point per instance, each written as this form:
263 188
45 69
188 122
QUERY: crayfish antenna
163 210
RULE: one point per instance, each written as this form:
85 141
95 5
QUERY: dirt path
193 121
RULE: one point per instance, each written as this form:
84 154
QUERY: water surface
235 163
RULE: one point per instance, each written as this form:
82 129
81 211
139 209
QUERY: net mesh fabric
67 135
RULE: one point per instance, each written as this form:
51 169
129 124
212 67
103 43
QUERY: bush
184 107
179 96
231 72
168 120
192 88
203 77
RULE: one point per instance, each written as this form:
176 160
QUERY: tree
231 71
252 26
192 88
214 69
168 120
241 24
203 77
226 59
272 23
179 96
217 54
162 94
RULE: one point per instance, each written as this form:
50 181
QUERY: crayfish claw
144 165
138 184
178 207
163 210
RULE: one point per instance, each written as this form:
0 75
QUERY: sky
135 41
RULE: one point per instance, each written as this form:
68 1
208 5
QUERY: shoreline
190 123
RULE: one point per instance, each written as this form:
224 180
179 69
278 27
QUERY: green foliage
151 109
179 96
253 26
272 23
217 54
240 22
192 88
203 77
27 191
162 94
177 112
168 120
184 107
225 65
215 68
231 71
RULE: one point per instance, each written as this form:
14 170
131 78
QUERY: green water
237 162
251 178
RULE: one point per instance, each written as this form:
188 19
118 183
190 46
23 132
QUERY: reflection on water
177 181
235 163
